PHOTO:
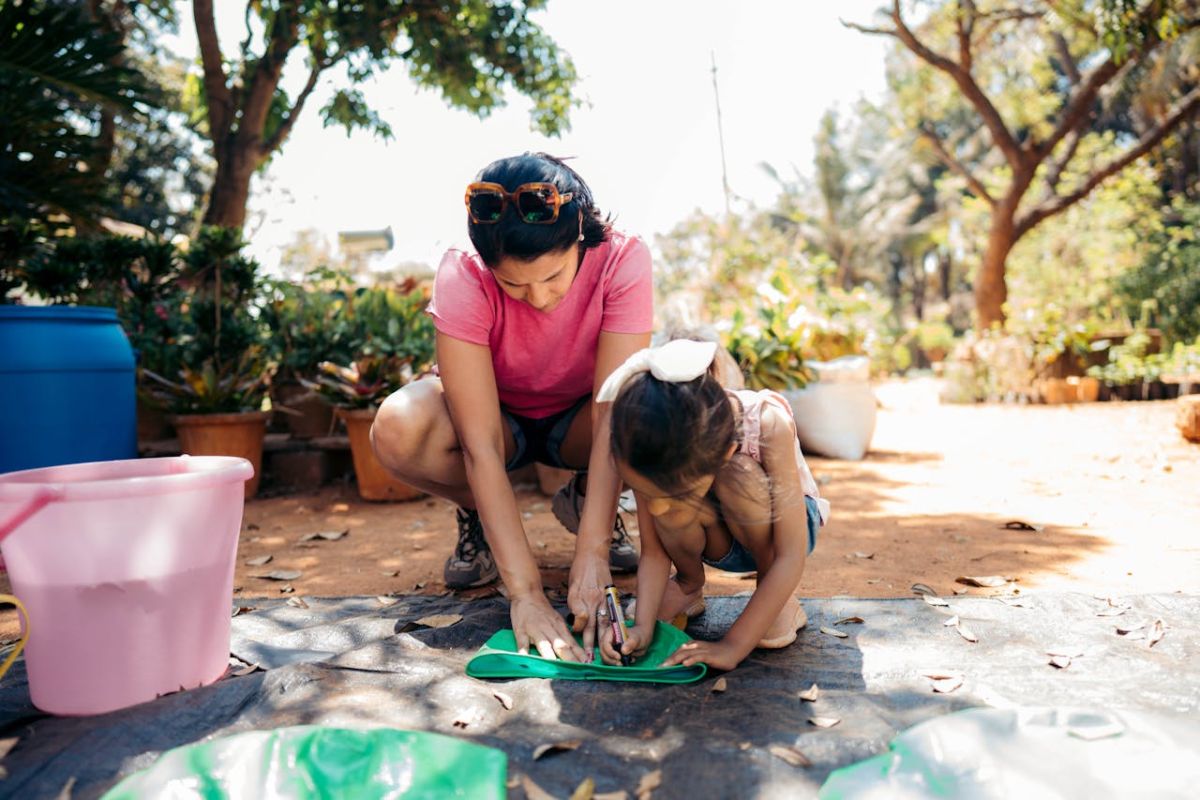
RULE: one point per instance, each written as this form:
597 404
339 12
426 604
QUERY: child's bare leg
746 507
684 546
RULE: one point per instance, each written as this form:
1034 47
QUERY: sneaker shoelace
620 536
470 537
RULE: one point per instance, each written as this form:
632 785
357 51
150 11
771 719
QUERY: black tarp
359 662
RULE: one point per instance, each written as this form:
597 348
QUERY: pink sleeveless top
751 444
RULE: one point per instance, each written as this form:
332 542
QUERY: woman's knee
407 422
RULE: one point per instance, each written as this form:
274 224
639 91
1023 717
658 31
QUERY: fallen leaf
619 794
259 561
1061 662
417 586
514 780
243 671
934 600
340 507
533 791
832 632
1131 629
1155 633
923 589
1113 611
392 573
873 581
440 620
959 591
242 610
329 536
505 699
810 694
586 790
790 755
824 722
1014 602
297 602
952 621
6 745
68 788
720 685
1066 651
858 554
966 632
1022 525
850 621
287 589
649 782
385 601
948 684
986 581
556 747
281 575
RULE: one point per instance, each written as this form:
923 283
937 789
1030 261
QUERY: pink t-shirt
544 362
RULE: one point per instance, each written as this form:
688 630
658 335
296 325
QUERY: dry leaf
6 745
619 794
858 554
417 586
959 591
533 791
948 684
242 610
1061 662
281 575
720 685
505 699
873 581
810 694
1131 629
68 788
934 600
1022 525
243 671
1155 633
287 589
385 601
1067 651
824 722
393 573
556 747
952 621
966 632
440 620
1014 602
649 782
514 780
259 561
986 581
832 632
297 602
585 790
329 536
1113 611
790 755
923 589
850 621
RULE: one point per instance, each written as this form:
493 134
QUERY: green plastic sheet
304 762
498 658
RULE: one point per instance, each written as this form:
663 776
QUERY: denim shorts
540 440
739 559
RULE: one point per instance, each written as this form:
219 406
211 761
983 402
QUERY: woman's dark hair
516 239
673 434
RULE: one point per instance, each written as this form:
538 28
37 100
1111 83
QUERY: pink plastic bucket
126 569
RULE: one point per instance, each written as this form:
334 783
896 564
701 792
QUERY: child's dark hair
673 434
516 239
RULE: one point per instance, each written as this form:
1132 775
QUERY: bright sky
646 140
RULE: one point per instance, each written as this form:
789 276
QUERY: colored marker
617 618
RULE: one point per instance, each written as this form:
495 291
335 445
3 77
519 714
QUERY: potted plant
217 372
357 390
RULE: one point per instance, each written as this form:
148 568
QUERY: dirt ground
1112 488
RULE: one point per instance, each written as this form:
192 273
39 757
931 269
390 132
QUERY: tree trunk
231 186
991 291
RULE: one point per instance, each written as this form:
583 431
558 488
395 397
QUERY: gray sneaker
568 507
472 563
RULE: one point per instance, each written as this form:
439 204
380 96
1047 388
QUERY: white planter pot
835 415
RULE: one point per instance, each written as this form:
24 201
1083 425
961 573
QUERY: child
719 480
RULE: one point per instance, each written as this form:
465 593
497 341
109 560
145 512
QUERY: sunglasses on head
536 203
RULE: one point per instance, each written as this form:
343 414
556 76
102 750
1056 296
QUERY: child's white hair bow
677 361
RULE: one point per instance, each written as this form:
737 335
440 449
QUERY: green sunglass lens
536 205
486 206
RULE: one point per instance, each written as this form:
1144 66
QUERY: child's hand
637 641
718 655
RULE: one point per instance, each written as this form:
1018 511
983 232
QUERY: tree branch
216 87
964 24
1068 60
1188 105
285 127
1058 167
973 183
281 38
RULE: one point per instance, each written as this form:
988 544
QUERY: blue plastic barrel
67 387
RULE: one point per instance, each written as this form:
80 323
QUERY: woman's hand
718 655
535 622
637 641
585 595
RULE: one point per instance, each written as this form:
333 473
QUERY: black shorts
540 440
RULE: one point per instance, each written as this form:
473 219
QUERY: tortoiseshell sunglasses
536 203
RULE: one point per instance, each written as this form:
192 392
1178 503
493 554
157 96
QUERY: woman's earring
581 236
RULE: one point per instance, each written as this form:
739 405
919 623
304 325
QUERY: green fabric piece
305 762
498 658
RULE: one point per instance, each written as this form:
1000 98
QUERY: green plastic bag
498 658
328 763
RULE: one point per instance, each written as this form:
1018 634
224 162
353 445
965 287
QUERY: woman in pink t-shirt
528 328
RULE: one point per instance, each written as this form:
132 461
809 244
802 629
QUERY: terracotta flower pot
313 415
238 435
374 482
1089 390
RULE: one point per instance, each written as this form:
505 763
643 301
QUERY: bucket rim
59 312
194 472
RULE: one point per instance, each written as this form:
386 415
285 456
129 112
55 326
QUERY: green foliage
768 353
365 383
210 388
1164 290
308 322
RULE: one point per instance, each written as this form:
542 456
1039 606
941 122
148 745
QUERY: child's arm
654 567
